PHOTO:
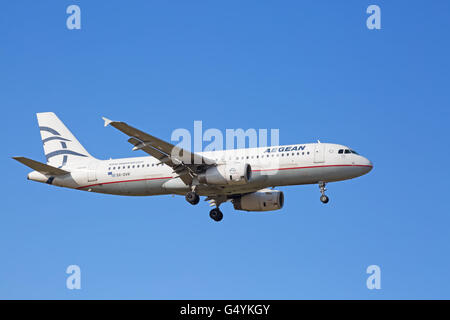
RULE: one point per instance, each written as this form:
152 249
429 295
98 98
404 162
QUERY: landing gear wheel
216 214
324 199
322 188
192 197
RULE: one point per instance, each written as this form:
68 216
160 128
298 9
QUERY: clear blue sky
311 69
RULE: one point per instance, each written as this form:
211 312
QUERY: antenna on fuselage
318 141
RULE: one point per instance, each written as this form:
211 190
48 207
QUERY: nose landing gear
322 188
324 199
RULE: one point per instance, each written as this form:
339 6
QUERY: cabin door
92 172
319 153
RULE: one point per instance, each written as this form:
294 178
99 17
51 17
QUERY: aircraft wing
183 162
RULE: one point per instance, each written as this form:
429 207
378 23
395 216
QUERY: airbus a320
246 177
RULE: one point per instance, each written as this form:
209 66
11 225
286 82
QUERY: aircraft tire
192 197
324 199
216 214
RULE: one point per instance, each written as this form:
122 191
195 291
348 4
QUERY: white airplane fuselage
242 176
271 166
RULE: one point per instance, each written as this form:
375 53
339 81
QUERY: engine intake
229 173
262 200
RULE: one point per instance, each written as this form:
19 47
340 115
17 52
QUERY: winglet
107 121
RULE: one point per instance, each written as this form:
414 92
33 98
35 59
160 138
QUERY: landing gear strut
192 197
216 214
322 188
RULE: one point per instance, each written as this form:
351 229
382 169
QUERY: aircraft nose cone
367 164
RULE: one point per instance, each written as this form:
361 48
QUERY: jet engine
229 173
262 200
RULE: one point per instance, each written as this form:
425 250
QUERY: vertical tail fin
60 145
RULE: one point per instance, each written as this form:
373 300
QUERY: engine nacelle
229 173
262 200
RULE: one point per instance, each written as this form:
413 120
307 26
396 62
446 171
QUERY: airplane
246 177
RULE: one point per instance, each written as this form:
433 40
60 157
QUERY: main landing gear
322 188
216 214
216 201
192 197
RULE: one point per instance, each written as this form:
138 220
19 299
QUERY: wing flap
164 147
183 162
178 168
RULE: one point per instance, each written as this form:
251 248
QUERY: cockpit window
341 151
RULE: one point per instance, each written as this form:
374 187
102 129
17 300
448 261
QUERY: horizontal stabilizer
41 167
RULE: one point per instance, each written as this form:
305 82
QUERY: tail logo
64 151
